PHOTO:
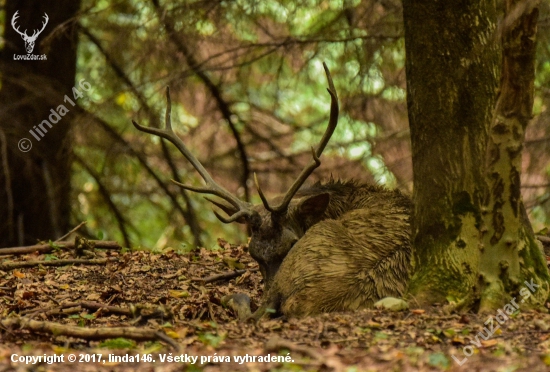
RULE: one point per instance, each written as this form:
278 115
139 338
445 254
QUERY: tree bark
453 67
506 240
35 185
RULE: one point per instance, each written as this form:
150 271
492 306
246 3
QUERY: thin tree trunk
35 185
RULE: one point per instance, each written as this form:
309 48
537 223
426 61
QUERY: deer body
357 254
275 236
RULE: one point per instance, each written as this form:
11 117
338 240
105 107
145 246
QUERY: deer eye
254 223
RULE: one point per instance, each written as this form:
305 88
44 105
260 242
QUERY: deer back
346 263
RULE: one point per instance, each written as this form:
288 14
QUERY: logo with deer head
29 40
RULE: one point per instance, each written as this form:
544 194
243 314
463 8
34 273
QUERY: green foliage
50 257
54 245
439 360
265 58
211 339
118 343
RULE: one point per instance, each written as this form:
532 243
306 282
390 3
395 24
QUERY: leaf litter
178 294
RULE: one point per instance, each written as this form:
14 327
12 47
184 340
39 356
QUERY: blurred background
248 96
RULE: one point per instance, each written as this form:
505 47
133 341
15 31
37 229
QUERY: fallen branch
133 311
545 240
56 329
11 265
45 248
223 276
65 311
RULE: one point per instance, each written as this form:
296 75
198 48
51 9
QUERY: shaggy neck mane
349 195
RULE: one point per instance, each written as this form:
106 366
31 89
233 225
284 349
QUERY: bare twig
64 311
56 329
72 231
223 276
45 248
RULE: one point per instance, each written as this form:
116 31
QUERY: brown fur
340 246
273 236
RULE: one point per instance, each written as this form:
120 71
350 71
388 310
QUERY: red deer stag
332 246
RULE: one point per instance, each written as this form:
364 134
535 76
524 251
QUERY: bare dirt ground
68 311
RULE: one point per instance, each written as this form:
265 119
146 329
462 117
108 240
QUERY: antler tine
211 186
334 111
216 203
43 25
261 193
306 172
216 190
233 218
16 28
46 20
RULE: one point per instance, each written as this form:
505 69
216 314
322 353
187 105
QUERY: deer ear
313 206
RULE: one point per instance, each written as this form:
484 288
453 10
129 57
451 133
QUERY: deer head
274 228
29 40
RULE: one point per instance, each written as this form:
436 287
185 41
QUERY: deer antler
36 32
333 120
243 209
15 16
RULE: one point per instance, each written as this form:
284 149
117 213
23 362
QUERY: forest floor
164 302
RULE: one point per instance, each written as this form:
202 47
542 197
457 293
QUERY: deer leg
270 308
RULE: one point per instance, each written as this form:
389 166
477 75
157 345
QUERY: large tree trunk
453 66
35 185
